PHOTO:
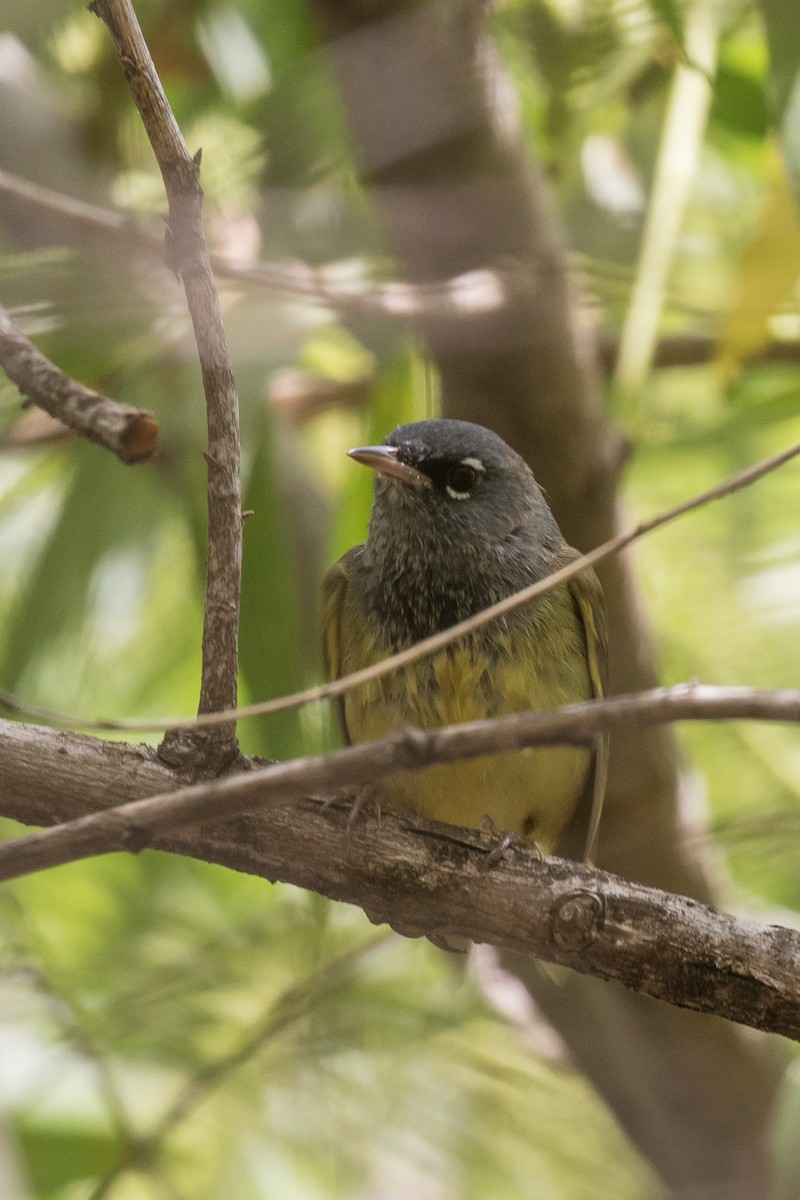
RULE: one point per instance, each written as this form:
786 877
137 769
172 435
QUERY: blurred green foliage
178 1030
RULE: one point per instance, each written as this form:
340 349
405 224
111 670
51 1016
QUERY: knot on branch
409 746
135 838
577 919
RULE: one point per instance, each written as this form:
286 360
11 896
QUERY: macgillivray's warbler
458 523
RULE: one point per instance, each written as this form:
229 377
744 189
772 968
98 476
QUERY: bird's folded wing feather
337 601
588 598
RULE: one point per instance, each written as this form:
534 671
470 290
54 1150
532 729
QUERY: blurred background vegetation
169 1029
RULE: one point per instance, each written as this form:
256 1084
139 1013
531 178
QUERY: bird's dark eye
461 480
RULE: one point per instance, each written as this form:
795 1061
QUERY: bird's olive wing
588 599
337 630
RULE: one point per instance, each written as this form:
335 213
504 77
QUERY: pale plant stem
676 168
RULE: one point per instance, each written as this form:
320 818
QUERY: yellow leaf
767 274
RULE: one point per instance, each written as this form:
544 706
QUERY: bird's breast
537 662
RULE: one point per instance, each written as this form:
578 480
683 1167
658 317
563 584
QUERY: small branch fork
209 751
130 433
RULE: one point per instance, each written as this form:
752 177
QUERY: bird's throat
412 595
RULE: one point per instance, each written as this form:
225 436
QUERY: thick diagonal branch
407 749
445 883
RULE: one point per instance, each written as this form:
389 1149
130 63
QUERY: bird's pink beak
384 460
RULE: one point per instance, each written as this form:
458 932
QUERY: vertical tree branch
187 251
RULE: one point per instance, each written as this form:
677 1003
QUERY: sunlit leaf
768 272
55 1156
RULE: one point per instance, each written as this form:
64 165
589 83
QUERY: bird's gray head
458 522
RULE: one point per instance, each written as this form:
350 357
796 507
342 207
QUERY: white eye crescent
462 477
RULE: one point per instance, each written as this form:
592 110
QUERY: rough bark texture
447 884
433 121
130 825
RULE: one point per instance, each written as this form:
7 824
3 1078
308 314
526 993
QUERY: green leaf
669 12
782 21
392 403
277 646
767 274
106 508
56 1155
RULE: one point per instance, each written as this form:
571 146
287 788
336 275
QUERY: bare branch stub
130 433
207 751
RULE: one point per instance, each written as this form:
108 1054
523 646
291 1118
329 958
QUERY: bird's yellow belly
531 792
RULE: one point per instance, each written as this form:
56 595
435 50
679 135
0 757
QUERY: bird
458 522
